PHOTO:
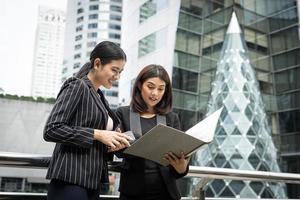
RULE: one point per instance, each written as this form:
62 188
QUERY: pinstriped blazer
77 158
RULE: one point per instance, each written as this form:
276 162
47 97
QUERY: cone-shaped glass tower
242 139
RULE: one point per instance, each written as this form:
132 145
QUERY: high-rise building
186 37
89 22
48 53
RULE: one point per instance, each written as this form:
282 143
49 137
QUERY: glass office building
271 32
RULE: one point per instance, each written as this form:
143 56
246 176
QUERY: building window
287 80
114 36
184 80
77 46
115 17
92 35
150 8
79 19
94 7
93 16
11 184
91 44
146 45
185 100
194 7
288 101
76 56
78 37
116 8
80 10
115 26
284 40
76 65
115 84
190 43
187 117
287 59
64 70
152 42
283 19
93 25
190 22
289 121
111 93
184 60
79 28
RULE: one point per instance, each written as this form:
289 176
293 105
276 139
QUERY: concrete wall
21 130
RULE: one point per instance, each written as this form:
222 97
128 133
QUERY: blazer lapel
135 123
95 96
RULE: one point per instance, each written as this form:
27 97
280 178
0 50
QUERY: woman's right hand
114 140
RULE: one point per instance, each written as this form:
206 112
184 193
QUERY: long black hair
137 102
106 51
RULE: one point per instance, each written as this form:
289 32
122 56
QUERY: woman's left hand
179 164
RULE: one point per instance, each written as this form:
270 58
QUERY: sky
18 21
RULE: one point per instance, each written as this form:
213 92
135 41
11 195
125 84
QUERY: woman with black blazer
83 127
151 103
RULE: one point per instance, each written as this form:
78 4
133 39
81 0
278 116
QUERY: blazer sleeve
58 128
120 118
176 124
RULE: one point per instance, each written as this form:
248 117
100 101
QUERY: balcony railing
9 159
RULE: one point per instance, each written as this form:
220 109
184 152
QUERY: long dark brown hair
106 51
137 102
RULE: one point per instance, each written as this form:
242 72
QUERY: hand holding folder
162 139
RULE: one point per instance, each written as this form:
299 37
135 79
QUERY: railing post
201 186
201 194
23 185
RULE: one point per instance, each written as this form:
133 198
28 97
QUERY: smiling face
153 89
106 74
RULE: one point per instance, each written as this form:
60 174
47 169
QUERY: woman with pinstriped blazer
84 128
151 103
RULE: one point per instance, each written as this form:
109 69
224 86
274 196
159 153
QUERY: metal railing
10 159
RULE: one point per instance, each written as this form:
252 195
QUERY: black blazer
78 110
129 175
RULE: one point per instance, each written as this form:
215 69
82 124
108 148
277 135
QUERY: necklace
147 115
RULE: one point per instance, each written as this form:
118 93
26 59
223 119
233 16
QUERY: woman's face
153 90
108 73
